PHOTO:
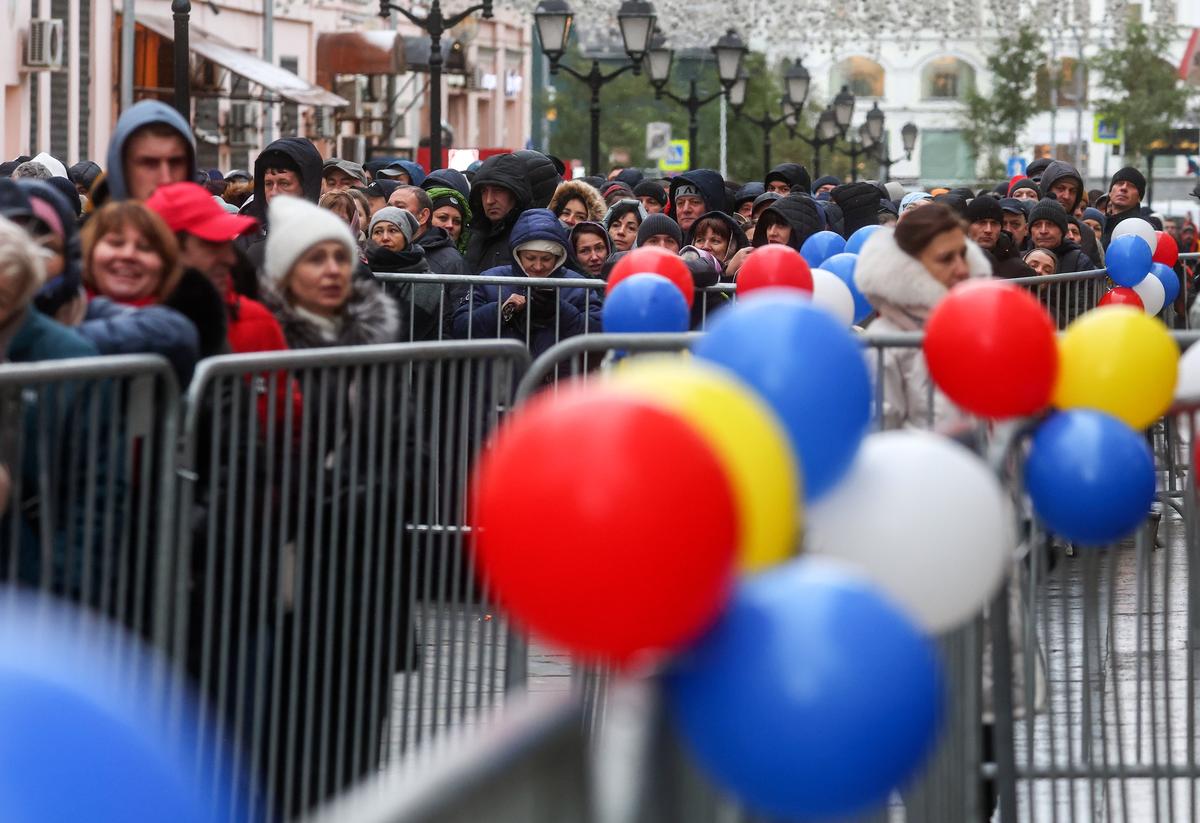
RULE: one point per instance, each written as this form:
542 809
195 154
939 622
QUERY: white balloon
926 519
1152 293
1187 385
1139 227
832 294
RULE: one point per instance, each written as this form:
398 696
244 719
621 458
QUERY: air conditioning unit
44 44
352 147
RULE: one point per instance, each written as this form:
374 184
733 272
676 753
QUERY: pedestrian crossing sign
678 157
1107 131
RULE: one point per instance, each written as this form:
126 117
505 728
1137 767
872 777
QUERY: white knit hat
294 227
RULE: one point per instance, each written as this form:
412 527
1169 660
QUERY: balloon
606 523
1152 293
1122 296
830 292
1138 227
855 243
654 260
1119 361
774 265
925 519
990 346
821 246
646 303
1166 250
1128 259
813 697
1169 279
1188 386
748 438
1090 476
843 266
810 370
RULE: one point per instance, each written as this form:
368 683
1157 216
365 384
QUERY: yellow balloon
747 438
1116 359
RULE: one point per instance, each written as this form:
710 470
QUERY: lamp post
908 135
435 24
796 81
659 59
181 10
864 145
636 19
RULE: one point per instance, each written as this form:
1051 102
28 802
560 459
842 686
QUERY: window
864 77
947 78
289 113
945 157
1072 83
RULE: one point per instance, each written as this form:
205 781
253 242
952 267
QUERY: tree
993 122
1143 90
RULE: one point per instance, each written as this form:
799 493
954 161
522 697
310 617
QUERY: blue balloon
646 303
843 266
813 697
1128 259
807 367
1090 476
855 243
1169 279
821 246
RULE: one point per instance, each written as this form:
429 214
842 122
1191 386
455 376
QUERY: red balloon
1122 296
1166 251
990 346
654 260
774 266
594 539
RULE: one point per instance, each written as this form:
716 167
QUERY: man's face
1123 196
1065 192
1171 227
214 260
663 241
408 201
828 187
336 180
651 205
1073 234
1015 225
688 210
497 202
152 161
1096 228
281 182
1046 235
1025 194
779 187
985 233
746 209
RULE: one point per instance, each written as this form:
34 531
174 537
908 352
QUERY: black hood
542 175
747 192
435 238
507 171
794 174
737 237
449 178
709 183
801 213
1057 171
304 155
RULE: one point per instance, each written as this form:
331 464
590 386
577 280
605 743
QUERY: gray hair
32 170
20 261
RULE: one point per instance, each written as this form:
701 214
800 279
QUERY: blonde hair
115 217
21 260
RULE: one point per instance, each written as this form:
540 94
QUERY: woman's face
125 266
319 282
573 212
450 219
945 257
711 240
778 231
1040 262
624 231
591 251
388 236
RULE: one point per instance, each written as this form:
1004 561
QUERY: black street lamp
796 82
636 19
658 65
908 135
181 10
435 24
863 146
825 134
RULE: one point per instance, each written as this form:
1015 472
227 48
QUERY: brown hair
236 194
116 216
713 224
920 226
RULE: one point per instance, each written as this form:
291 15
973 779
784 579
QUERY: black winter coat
489 245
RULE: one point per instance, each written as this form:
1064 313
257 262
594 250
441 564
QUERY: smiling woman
130 256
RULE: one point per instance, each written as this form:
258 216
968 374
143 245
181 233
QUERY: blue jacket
143 113
578 309
116 329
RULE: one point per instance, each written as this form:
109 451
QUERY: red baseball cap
189 207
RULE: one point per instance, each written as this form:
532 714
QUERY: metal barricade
327 609
88 447
1066 296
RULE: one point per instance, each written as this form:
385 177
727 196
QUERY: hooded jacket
799 211
588 227
542 175
904 293
1057 171
549 315
737 237
57 292
747 193
794 174
143 113
450 179
859 203
569 190
708 183
488 246
300 151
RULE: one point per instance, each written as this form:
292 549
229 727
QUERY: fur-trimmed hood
369 317
886 275
569 190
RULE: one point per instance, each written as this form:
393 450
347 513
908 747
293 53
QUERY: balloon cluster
649 290
990 346
657 515
1139 261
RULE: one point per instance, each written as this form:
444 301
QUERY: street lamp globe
865 139
730 52
874 123
908 135
553 18
658 60
827 127
843 108
796 82
636 19
737 91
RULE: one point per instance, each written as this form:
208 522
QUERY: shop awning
272 78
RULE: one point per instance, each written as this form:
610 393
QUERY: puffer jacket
903 292
489 246
570 190
800 211
542 175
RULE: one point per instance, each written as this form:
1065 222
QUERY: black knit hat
1130 175
1034 170
1023 183
985 208
1051 210
659 224
648 188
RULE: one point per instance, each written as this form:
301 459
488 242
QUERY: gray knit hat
398 217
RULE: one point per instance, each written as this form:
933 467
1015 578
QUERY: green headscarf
444 196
